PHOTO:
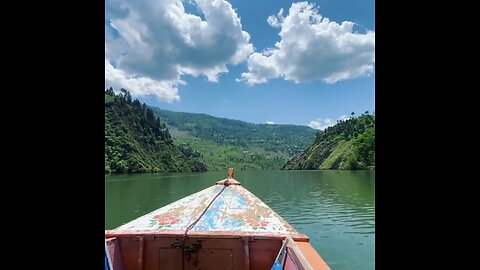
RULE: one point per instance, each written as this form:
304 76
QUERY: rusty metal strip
141 243
204 210
247 254
195 222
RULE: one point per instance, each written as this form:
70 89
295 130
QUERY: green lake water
336 209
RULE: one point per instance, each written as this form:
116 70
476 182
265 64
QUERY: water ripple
336 209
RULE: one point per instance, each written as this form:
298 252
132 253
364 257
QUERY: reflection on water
336 209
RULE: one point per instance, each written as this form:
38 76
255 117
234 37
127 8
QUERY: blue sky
244 59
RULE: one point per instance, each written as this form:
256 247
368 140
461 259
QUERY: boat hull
222 227
202 252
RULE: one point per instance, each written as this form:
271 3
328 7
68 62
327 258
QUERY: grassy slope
225 142
347 145
218 157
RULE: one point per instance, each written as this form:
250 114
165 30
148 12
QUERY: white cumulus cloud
343 118
270 123
321 125
312 48
325 123
141 86
150 44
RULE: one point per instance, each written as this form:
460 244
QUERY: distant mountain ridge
348 145
224 142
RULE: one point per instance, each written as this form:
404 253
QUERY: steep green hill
224 142
136 140
348 145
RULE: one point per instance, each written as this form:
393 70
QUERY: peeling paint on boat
235 210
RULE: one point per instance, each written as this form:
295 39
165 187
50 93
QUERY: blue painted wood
234 210
108 261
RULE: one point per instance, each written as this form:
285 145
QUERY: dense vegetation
137 142
139 138
224 143
286 139
348 145
219 157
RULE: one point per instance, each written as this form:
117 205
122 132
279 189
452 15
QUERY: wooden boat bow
221 227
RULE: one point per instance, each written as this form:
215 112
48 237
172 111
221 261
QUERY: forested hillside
348 145
136 141
287 139
225 142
